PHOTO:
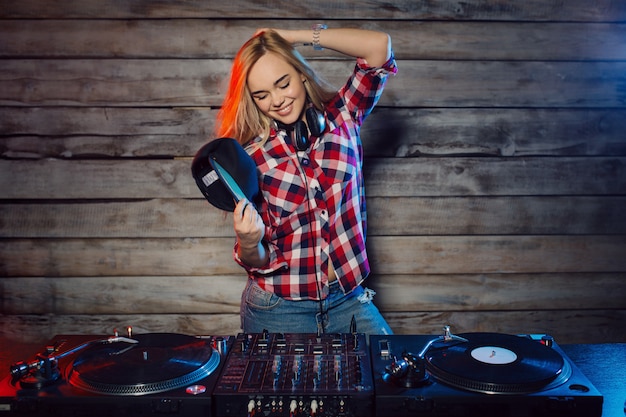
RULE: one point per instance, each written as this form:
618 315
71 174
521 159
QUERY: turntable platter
159 362
496 363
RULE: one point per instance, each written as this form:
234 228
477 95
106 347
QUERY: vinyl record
159 362
495 363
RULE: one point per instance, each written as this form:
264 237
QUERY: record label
494 355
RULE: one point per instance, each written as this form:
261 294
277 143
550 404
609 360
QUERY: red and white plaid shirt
314 200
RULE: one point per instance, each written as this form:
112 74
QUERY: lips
285 111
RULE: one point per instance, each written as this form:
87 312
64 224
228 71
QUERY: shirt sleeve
275 262
364 88
389 67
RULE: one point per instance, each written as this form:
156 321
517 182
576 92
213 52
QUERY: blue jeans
262 310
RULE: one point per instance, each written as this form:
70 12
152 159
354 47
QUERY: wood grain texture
423 83
388 255
206 38
385 177
221 294
508 10
567 326
94 132
494 164
387 216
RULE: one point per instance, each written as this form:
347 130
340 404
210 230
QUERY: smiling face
277 88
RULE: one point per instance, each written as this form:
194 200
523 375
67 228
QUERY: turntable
478 374
139 375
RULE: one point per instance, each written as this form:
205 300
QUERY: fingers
240 208
249 226
245 216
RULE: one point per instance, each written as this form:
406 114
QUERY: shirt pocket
340 158
283 189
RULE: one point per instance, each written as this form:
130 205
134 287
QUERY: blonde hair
239 116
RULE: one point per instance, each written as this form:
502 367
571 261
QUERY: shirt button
305 161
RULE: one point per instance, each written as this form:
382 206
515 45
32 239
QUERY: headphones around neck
299 131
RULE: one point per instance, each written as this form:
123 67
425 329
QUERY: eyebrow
278 81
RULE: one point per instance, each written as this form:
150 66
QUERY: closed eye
282 84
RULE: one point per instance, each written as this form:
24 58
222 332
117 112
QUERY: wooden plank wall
496 164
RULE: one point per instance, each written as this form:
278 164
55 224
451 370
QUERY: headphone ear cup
300 136
316 121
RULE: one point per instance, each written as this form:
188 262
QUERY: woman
304 249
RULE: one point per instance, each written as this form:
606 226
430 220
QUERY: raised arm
373 46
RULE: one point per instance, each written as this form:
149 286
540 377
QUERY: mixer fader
306 375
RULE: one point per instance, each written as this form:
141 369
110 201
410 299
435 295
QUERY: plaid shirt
314 200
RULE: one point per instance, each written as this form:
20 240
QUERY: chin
285 120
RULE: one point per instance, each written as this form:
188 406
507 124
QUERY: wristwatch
317 28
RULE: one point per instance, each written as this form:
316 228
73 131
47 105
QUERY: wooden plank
155 218
37 327
117 257
544 215
566 326
94 132
112 121
104 179
397 216
499 292
506 84
499 132
496 254
105 82
533 10
163 82
570 326
203 38
123 295
394 293
388 255
385 177
494 176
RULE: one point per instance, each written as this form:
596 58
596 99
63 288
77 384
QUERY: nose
277 100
